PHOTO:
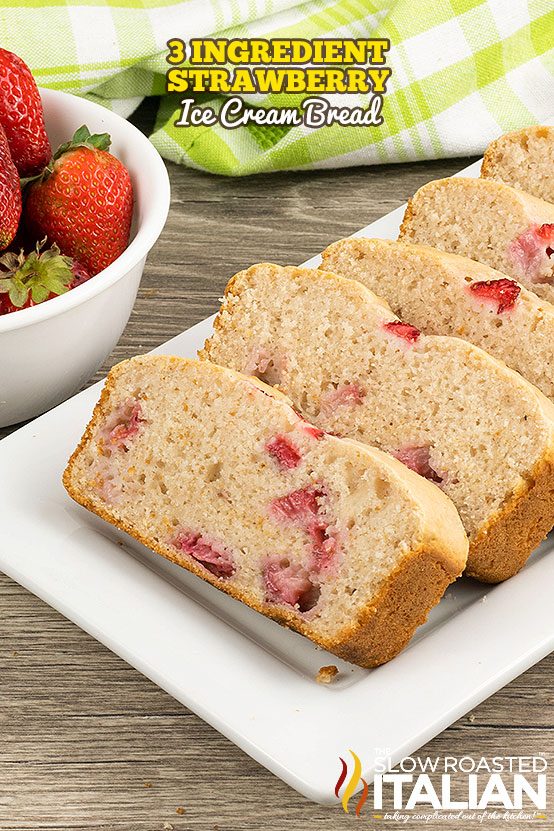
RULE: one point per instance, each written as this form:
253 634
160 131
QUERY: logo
439 788
353 783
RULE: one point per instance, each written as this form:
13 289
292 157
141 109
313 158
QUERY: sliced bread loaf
523 159
443 406
444 294
218 473
490 222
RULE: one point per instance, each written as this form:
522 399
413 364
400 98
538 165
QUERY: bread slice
523 159
444 294
490 222
445 407
218 473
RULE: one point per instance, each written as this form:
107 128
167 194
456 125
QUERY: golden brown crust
502 548
409 214
402 605
379 633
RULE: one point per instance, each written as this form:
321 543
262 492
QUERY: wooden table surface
86 742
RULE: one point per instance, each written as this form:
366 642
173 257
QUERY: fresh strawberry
501 293
402 330
29 279
21 115
83 202
10 194
80 274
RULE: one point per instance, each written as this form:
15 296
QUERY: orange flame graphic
352 784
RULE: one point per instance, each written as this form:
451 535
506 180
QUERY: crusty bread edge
519 527
381 630
526 202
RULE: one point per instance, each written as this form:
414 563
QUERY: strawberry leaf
39 293
83 138
40 274
18 294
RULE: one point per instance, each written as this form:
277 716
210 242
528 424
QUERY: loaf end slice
490 222
523 159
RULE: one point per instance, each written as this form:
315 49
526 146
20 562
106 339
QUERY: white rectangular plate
245 675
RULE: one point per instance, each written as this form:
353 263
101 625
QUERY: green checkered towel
463 71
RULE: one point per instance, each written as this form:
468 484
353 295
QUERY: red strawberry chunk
312 431
299 506
302 508
546 232
126 423
214 556
289 583
403 330
345 395
532 250
284 452
418 459
501 293
325 544
258 361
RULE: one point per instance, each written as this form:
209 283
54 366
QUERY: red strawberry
21 115
501 293
402 330
299 506
284 452
214 556
546 233
302 508
418 458
309 429
10 194
289 583
29 279
83 202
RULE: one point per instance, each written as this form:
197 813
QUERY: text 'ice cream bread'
523 159
490 222
444 294
446 408
216 472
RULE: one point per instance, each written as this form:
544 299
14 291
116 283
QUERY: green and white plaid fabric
463 71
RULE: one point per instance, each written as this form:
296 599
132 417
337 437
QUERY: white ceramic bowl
49 351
